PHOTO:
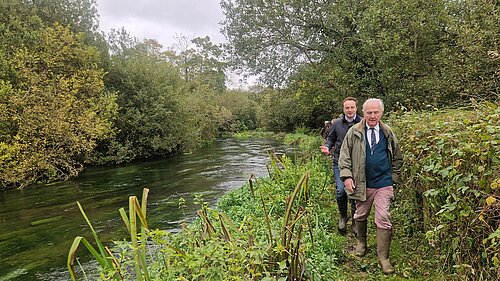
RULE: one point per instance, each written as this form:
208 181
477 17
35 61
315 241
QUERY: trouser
381 198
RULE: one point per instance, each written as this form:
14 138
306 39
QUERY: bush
451 173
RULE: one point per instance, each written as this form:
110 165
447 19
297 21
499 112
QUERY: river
38 224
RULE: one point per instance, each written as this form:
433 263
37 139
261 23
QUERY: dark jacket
337 133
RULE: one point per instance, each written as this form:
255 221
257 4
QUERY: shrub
451 173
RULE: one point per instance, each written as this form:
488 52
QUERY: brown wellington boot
384 237
361 246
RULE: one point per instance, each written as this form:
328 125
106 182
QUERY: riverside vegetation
71 97
281 227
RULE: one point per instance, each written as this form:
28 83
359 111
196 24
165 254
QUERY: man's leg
353 211
382 202
341 199
362 212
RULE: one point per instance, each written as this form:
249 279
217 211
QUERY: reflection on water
38 224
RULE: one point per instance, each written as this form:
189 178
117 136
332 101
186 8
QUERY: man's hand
324 149
349 185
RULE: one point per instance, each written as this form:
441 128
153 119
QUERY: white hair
381 103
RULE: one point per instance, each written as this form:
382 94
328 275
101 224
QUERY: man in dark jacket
334 139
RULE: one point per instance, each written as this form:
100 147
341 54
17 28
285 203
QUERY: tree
81 15
200 60
22 21
469 63
273 38
242 106
277 111
148 88
386 48
54 110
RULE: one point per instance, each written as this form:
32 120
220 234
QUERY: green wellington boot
384 237
361 246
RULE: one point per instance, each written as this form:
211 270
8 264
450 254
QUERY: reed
102 256
109 264
214 247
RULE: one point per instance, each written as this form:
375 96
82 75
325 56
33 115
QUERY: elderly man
334 139
370 163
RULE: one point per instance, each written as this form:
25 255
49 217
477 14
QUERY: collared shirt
350 119
377 133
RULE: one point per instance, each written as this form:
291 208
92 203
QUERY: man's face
372 113
350 108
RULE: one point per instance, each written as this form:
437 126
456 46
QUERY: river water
38 224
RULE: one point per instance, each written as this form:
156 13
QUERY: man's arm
345 158
345 164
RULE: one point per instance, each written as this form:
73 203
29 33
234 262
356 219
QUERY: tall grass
264 238
111 266
282 227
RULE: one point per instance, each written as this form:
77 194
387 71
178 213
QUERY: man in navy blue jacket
334 139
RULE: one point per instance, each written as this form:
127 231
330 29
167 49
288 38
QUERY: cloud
163 20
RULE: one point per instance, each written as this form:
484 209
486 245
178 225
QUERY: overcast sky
163 20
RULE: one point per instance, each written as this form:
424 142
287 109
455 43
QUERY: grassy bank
283 227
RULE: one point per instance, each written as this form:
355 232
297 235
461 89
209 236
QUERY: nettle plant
453 161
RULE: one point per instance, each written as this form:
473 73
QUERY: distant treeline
71 96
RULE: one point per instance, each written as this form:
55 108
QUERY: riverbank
279 226
40 222
283 227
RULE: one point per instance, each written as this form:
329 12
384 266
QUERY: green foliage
242 106
323 51
101 256
81 15
57 114
53 105
422 60
451 175
22 21
54 111
320 246
318 91
273 38
242 239
110 266
201 63
470 62
307 144
276 112
150 119
232 243
168 102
